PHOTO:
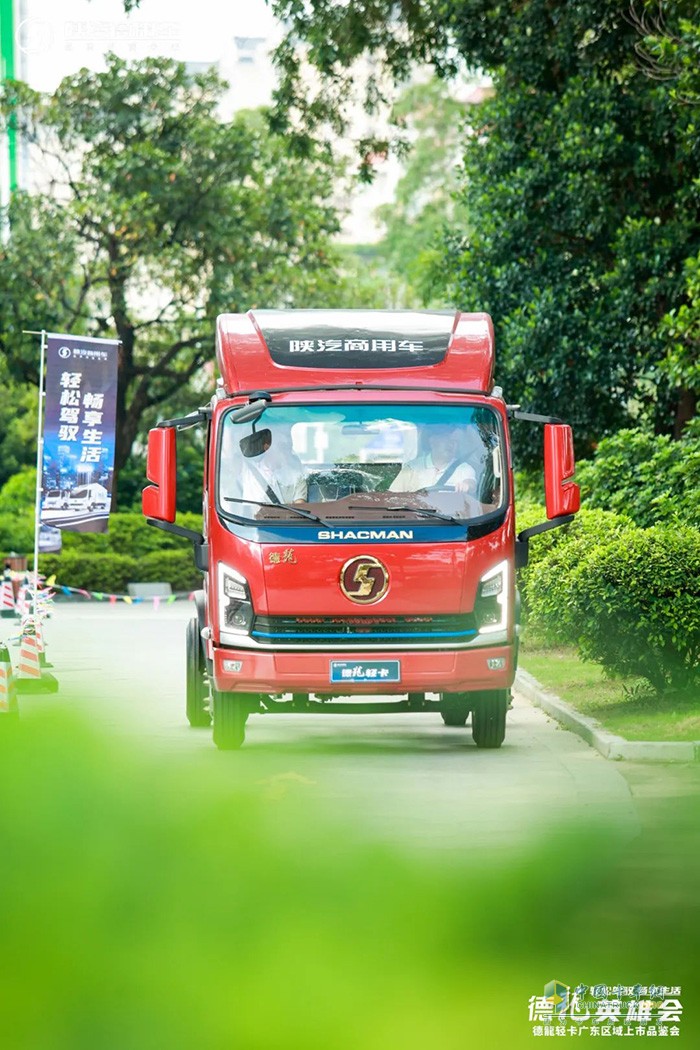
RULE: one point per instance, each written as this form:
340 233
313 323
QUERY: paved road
404 777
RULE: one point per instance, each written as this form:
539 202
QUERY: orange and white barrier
7 598
29 666
32 676
32 626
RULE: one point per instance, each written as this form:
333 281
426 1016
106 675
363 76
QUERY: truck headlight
491 606
235 607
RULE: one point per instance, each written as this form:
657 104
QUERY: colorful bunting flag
45 597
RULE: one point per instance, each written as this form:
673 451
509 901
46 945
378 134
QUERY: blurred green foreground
185 902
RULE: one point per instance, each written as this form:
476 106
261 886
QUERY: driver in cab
440 466
271 473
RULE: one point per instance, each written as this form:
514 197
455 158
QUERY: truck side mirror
561 496
158 499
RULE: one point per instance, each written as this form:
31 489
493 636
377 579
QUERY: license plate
365 671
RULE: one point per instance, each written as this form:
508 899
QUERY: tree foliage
158 215
424 204
18 424
646 476
580 182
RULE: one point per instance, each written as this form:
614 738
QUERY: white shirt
422 473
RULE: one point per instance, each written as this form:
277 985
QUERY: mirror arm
193 419
530 417
522 540
201 549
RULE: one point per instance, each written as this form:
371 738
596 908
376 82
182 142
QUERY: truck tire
197 692
454 709
489 718
230 716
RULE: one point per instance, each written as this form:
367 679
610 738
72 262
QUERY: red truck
359 545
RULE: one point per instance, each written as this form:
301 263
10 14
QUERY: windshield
363 463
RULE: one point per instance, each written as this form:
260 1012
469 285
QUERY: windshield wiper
426 511
282 506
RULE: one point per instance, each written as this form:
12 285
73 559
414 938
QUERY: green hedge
173 567
111 572
131 551
92 572
630 601
130 534
648 477
589 528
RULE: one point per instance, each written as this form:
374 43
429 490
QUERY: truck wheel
230 716
197 692
454 709
489 718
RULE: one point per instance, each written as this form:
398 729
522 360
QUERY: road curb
610 746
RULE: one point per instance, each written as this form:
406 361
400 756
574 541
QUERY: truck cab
358 547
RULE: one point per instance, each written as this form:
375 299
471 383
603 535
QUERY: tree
18 424
157 216
425 204
580 185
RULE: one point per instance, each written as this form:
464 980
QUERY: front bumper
297 672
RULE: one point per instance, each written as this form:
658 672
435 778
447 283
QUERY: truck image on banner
79 432
360 547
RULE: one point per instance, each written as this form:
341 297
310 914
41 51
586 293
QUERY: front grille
365 631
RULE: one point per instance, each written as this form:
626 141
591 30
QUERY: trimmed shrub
92 572
111 572
648 477
630 602
173 567
588 528
130 534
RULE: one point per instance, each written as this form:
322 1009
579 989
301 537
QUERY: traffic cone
8 692
7 598
29 652
31 677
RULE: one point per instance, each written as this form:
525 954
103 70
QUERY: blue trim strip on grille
364 637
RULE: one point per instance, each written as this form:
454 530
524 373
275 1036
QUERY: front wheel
489 718
197 692
230 716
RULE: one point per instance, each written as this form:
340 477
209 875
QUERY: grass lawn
637 715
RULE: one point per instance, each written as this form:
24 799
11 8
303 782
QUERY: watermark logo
37 36
34 36
558 995
606 1011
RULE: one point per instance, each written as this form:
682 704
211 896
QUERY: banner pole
39 470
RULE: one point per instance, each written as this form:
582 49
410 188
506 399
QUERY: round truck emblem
364 579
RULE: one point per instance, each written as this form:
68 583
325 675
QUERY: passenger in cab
440 466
